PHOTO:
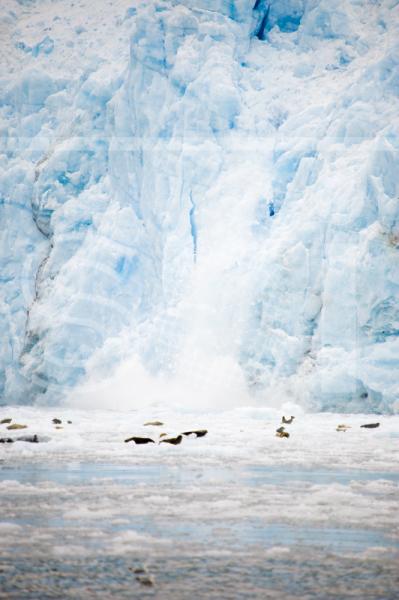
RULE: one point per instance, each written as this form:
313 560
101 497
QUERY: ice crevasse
207 189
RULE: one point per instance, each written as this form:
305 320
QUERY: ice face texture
207 186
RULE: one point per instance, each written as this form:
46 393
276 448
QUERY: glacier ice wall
207 186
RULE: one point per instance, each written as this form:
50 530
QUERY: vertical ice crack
193 226
29 337
262 9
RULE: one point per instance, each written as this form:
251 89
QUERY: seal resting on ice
287 421
140 440
196 432
281 433
175 440
343 427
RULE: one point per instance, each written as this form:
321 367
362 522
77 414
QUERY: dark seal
197 432
175 441
287 421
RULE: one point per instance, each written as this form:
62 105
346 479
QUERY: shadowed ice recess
199 203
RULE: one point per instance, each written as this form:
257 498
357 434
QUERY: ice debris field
199 200
238 513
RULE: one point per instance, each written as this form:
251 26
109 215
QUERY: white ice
198 203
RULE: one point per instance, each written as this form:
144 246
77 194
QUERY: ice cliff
208 186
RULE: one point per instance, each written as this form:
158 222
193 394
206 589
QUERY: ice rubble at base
223 198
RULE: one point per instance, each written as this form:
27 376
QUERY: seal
145 580
140 440
33 439
370 425
153 423
6 440
343 428
16 426
196 432
175 441
5 421
282 434
287 421
57 421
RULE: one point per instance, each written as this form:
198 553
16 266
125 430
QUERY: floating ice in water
231 494
199 203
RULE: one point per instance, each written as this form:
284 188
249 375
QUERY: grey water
250 475
60 552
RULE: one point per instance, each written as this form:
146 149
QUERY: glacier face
207 186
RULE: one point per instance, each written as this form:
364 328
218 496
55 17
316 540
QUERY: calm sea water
88 530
